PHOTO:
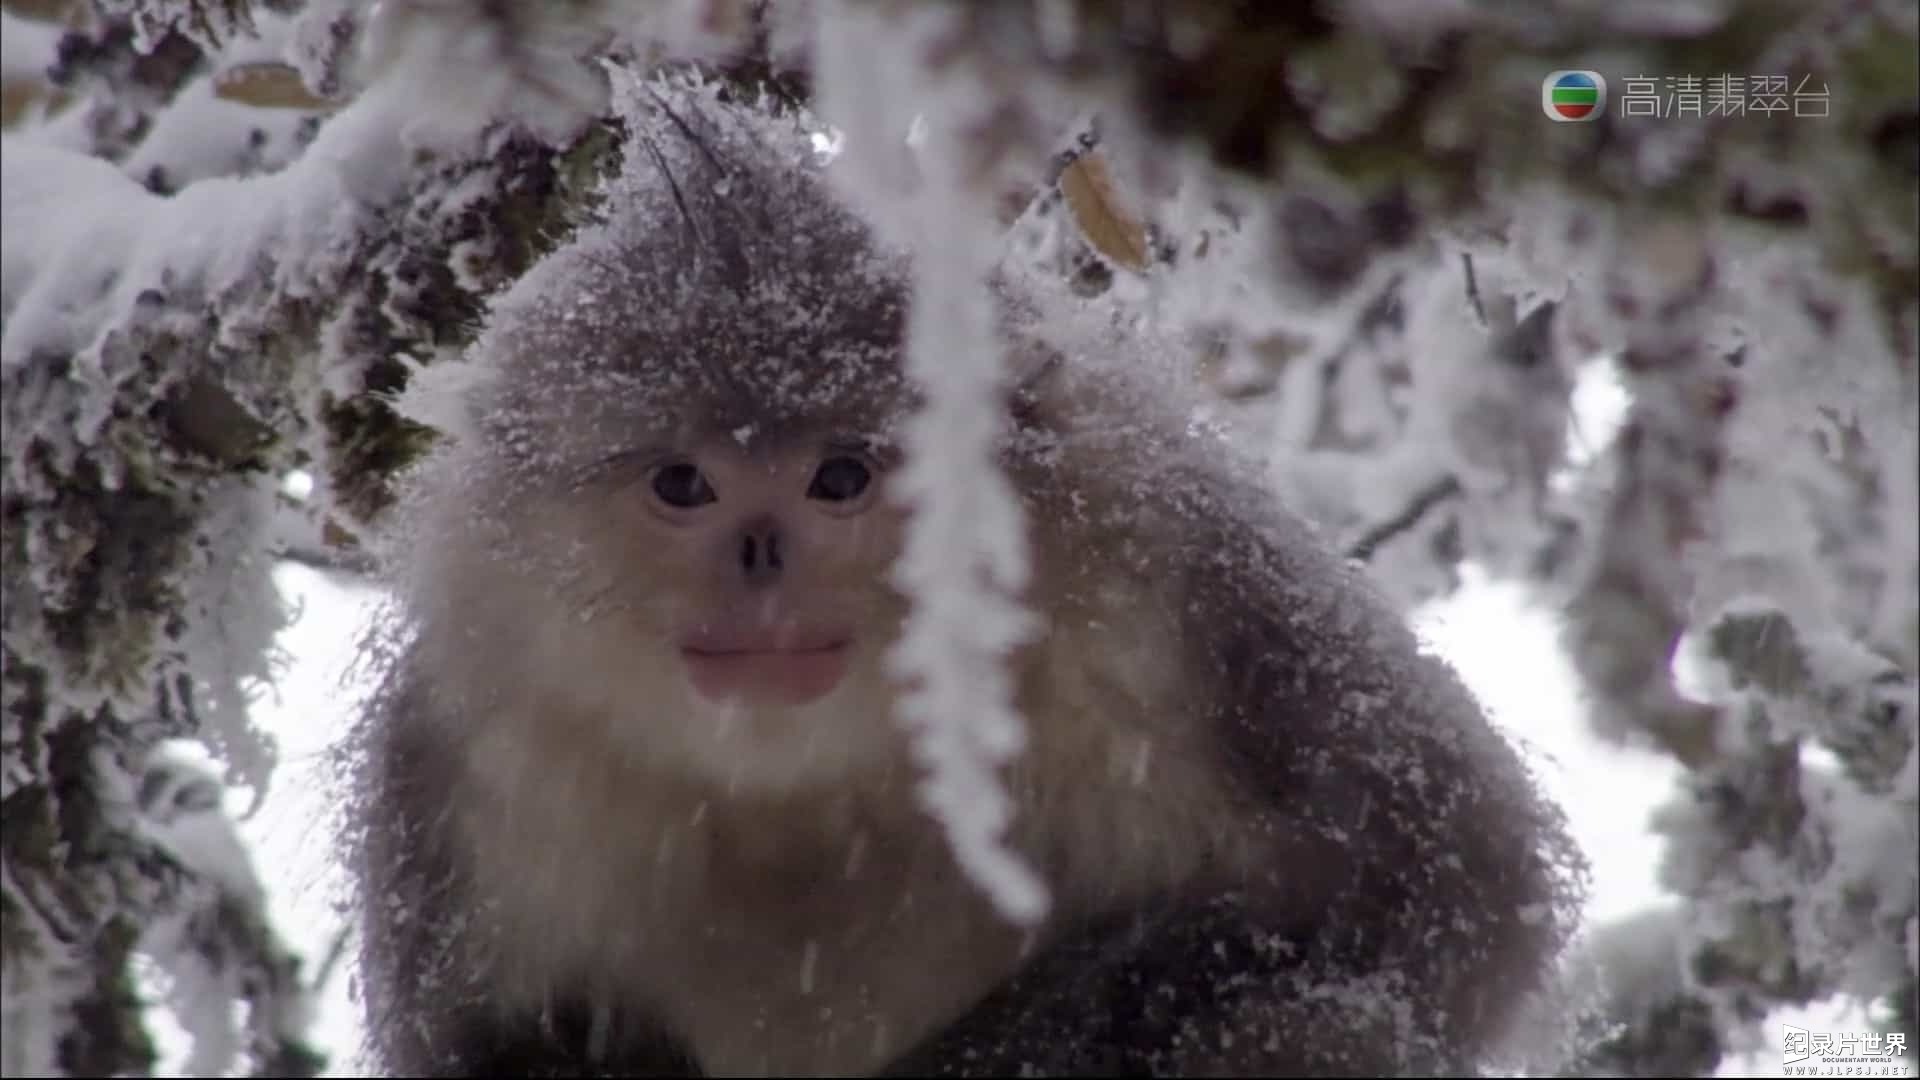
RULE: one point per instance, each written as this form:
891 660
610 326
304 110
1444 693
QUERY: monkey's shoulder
1283 662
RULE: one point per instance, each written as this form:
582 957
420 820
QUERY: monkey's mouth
790 670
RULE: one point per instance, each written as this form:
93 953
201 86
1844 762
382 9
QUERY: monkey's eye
680 485
840 478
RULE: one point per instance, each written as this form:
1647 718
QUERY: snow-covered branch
181 328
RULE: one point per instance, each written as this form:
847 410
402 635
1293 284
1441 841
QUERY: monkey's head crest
724 286
666 477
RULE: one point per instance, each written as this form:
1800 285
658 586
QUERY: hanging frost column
965 555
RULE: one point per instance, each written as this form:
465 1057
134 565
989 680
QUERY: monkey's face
665 530
778 560
717 602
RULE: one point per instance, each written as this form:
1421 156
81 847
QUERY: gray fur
1280 839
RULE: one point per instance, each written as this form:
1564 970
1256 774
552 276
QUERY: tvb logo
1573 96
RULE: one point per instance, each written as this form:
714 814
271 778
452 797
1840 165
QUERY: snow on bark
203 132
28 47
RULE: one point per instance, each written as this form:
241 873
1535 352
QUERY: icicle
965 559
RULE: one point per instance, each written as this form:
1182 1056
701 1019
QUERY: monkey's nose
761 558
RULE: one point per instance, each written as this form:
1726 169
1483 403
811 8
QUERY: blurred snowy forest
233 229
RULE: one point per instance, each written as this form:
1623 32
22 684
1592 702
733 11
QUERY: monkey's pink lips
760 668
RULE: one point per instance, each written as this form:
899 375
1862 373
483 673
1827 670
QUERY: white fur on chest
795 945
827 935
759 995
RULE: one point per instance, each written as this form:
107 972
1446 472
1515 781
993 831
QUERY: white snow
27 46
83 241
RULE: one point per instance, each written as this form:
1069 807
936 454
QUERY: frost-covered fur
1278 838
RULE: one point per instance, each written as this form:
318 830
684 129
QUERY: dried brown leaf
1099 211
267 84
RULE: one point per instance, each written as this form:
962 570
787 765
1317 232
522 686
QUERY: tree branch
1423 501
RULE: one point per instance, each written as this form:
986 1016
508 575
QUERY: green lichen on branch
539 195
